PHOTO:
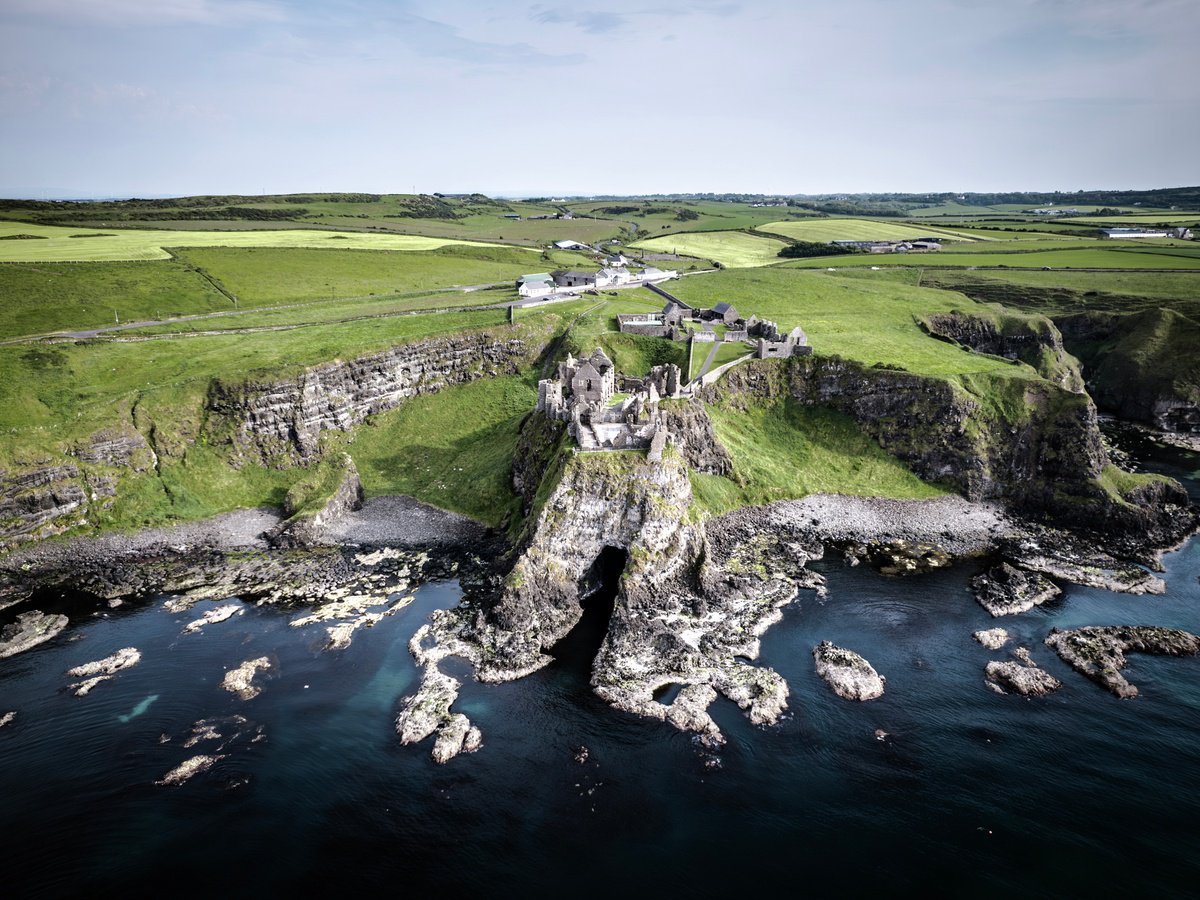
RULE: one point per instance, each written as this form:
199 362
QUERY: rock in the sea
456 735
1027 680
190 768
428 711
7 718
110 665
30 629
1004 590
240 681
907 557
992 638
1099 651
850 676
213 616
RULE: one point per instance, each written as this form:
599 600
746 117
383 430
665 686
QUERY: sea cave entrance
576 651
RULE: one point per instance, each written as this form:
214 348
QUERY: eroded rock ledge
1099 651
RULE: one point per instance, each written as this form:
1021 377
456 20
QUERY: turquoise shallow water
973 794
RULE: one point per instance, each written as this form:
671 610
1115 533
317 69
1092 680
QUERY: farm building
571 245
616 261
535 285
611 277
722 312
564 278
1122 233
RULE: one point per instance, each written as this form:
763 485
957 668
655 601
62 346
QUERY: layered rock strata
29 630
1005 590
281 421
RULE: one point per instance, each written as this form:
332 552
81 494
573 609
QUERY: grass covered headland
289 307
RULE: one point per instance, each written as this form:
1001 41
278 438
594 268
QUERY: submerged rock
189 768
1099 651
850 676
1005 590
214 616
30 629
992 638
1027 679
240 681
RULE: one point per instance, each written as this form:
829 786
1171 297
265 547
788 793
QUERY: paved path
708 361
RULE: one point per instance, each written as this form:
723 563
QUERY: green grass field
1055 259
336 284
732 249
825 230
1166 285
44 297
867 320
65 244
269 276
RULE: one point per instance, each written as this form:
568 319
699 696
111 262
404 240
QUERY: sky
173 97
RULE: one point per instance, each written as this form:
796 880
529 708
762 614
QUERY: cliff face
280 422
1036 446
48 498
1144 367
276 423
686 613
1032 339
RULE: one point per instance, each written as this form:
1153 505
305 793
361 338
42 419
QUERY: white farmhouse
536 285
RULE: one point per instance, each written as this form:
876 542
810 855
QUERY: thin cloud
127 13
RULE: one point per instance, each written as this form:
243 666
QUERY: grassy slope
453 449
732 249
44 297
870 320
65 392
788 451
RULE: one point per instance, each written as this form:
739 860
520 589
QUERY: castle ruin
584 395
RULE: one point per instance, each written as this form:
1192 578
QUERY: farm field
337 284
656 217
263 276
1141 218
45 297
825 230
732 249
1165 285
1074 259
50 243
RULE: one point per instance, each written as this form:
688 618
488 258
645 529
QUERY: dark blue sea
971 794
